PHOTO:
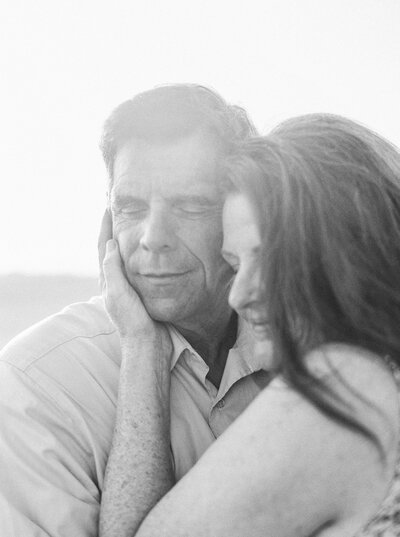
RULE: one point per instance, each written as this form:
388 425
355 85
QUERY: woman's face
242 250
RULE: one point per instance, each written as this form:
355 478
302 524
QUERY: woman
312 229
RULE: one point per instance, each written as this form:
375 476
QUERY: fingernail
111 245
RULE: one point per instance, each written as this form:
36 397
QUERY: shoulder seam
64 342
40 388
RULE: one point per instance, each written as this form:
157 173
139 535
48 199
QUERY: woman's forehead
239 223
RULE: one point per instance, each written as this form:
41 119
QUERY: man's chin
165 310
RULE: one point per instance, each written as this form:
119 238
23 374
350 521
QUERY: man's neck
213 343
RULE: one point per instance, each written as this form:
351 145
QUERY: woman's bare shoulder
364 383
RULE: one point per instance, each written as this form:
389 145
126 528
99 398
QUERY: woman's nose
246 290
242 292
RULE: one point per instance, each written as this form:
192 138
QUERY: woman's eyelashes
231 259
234 264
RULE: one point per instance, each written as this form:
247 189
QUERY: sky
66 64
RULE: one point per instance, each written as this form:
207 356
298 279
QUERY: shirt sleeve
47 483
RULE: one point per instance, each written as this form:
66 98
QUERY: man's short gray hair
171 112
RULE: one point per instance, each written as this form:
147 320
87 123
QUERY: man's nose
158 233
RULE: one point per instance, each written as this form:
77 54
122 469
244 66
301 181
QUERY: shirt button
221 404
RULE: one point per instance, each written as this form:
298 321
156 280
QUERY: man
59 379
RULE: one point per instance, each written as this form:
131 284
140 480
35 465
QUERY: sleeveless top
386 522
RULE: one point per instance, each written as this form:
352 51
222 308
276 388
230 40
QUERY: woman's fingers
105 234
114 278
125 307
122 302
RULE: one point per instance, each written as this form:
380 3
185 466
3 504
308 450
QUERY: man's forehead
190 164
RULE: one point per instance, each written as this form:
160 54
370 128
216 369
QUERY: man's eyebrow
195 198
121 198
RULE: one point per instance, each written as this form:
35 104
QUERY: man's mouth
162 277
161 274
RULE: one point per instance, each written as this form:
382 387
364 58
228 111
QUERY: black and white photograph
200 268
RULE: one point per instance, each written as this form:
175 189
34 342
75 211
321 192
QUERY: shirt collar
241 359
179 344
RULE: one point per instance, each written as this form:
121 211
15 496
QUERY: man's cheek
128 239
207 245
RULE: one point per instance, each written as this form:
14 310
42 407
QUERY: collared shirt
201 412
58 397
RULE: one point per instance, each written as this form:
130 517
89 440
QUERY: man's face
166 209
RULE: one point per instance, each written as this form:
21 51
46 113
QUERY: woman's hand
123 304
125 307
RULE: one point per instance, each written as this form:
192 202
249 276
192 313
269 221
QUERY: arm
47 481
283 469
139 470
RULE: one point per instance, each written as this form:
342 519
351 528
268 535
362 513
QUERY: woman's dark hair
326 191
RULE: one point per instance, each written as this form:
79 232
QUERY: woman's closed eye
232 260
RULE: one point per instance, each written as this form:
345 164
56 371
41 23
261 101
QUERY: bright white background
65 64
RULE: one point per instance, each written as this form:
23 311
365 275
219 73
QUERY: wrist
147 349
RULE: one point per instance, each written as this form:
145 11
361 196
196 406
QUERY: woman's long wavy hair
326 193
